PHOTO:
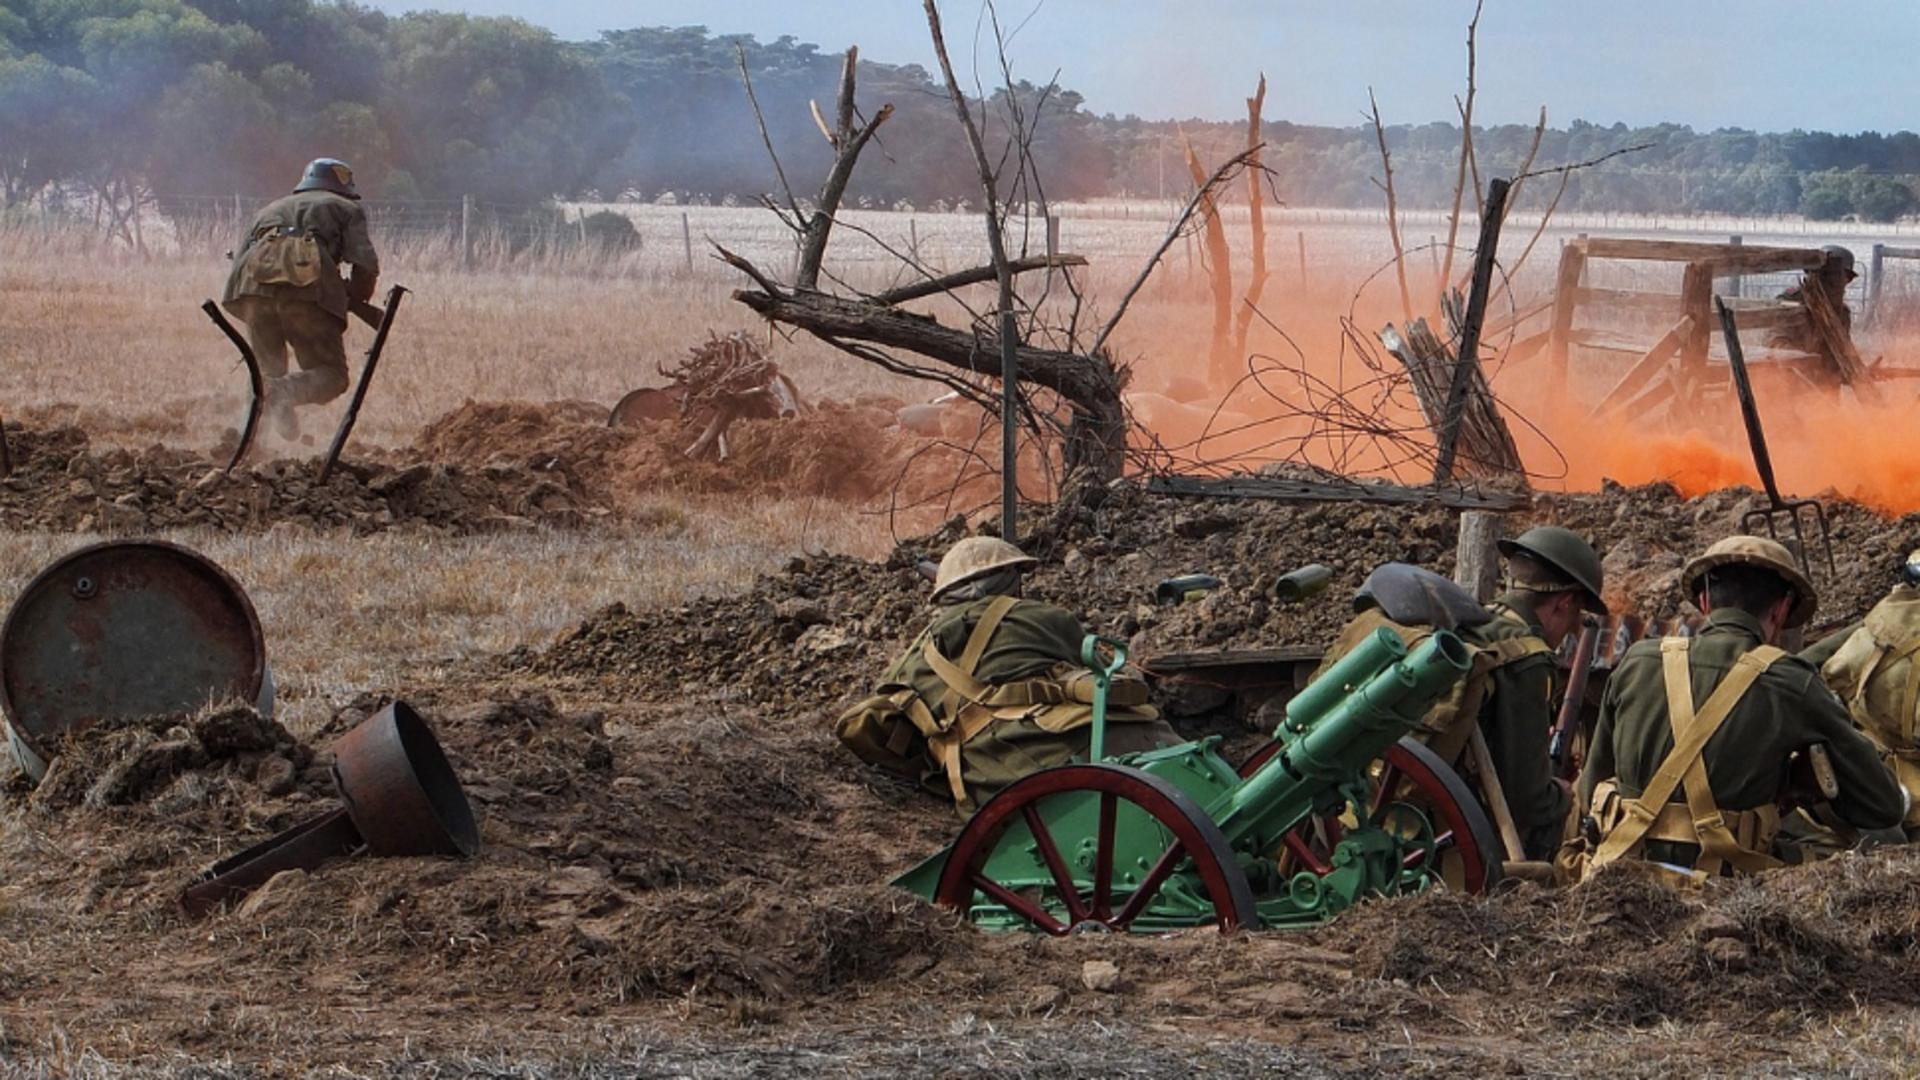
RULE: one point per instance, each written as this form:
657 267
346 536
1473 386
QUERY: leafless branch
1393 211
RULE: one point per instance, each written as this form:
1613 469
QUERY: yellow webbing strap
967 721
1691 730
959 677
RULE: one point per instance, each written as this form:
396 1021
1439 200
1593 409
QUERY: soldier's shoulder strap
959 677
1692 728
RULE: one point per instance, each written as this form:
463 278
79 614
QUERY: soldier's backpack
277 256
983 736
1875 672
1413 602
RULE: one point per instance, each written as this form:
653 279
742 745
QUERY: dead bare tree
1220 358
1393 213
1466 154
1256 228
847 142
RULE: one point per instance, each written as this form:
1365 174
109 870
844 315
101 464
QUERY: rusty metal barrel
123 630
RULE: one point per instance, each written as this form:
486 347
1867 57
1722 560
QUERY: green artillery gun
1178 838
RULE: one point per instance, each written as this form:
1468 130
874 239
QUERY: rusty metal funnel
400 789
400 797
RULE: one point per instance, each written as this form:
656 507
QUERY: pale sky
1770 65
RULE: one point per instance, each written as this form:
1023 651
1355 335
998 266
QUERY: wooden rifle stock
1577 676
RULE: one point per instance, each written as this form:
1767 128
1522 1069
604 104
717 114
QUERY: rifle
1577 677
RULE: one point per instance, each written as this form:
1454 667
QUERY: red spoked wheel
1091 902
644 404
1464 850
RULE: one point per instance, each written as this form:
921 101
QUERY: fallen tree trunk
1096 439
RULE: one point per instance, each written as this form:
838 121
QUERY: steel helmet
976 557
1843 258
1565 551
328 174
1756 551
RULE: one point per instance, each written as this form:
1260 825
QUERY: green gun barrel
1341 741
1348 674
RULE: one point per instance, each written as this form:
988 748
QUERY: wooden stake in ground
1467 360
1476 558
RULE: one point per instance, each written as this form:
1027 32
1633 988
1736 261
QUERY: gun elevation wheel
1464 850
1095 848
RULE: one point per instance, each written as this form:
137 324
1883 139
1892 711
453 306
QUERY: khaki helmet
1757 551
1565 551
976 557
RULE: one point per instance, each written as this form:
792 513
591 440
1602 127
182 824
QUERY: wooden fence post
1476 558
686 238
1876 268
466 232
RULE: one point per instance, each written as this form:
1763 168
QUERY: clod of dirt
170 759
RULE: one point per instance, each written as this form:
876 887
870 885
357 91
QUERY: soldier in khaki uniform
285 284
1874 666
1739 710
994 686
1553 578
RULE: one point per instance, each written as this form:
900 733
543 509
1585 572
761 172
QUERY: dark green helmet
328 174
1565 551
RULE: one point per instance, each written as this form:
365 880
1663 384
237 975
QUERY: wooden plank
1771 316
1566 302
1691 251
1519 319
1664 303
1283 490
1646 368
1696 303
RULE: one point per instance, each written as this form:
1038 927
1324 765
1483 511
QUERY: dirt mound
836 451
819 631
171 760
60 483
1625 949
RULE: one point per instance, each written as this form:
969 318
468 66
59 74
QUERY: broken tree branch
977 275
847 144
740 54
1393 213
1466 362
1466 152
1174 233
996 247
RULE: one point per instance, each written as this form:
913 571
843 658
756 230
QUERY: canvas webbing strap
959 677
961 683
1691 730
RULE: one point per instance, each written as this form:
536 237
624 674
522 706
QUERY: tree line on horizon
180 97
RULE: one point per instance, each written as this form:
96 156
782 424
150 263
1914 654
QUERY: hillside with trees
120 99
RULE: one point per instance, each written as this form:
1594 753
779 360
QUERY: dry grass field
113 343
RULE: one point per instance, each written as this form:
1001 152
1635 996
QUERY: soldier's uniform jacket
1517 719
1031 638
1509 693
1786 709
338 226
993 691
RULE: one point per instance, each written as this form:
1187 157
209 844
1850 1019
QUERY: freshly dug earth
674 842
480 468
